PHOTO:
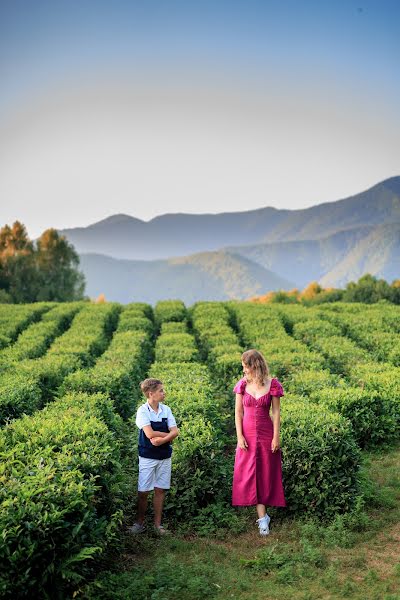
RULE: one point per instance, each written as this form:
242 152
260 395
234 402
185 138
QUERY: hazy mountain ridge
345 239
209 275
333 260
122 236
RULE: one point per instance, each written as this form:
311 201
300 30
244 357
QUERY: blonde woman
257 477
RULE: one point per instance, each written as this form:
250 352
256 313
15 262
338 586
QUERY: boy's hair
150 385
255 361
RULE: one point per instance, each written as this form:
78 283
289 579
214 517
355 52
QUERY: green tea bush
307 382
14 318
174 327
218 341
89 333
309 331
19 394
382 379
372 417
176 347
138 309
50 370
35 339
135 324
57 469
320 459
169 310
117 372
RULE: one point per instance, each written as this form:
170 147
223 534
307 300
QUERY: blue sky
153 107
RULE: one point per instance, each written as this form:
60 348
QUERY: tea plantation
69 389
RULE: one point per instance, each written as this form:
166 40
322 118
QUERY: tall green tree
18 277
368 289
57 263
47 271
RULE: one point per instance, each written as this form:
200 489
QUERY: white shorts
154 473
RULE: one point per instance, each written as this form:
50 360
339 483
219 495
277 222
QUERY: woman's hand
275 445
242 443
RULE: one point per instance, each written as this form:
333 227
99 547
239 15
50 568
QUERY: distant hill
244 271
333 260
122 236
205 276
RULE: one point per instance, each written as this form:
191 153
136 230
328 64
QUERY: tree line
367 289
45 270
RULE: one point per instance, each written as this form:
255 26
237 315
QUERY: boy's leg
147 470
158 504
142 506
162 483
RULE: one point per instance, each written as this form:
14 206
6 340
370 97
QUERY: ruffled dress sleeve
240 386
276 388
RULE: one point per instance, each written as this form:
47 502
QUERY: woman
257 477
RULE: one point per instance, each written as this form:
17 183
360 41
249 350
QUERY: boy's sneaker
263 525
160 530
137 528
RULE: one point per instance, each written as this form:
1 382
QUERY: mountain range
237 255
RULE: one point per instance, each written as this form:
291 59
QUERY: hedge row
137 316
35 339
169 310
38 379
118 371
372 415
218 341
381 345
61 482
262 327
176 347
321 459
14 318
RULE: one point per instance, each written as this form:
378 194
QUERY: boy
157 430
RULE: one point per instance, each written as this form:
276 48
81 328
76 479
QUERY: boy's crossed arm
157 438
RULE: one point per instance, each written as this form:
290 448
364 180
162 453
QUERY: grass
356 556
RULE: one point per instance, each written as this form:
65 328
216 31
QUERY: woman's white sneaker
263 525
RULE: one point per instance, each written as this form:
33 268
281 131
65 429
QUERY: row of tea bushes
373 417
320 459
200 470
338 351
14 318
382 345
380 317
35 339
261 327
319 452
61 481
118 371
218 341
176 347
72 471
169 310
137 316
37 380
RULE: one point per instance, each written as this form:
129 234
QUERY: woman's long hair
254 360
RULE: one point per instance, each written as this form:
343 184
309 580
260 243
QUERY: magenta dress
257 475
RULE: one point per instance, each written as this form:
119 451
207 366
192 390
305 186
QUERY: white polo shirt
145 414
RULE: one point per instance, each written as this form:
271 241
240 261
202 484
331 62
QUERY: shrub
169 310
59 466
320 459
372 417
